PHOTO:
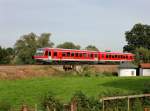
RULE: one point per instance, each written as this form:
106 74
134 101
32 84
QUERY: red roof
145 65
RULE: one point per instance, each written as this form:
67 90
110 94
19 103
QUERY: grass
30 91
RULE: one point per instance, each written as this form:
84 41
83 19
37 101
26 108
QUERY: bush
136 105
146 88
49 102
86 104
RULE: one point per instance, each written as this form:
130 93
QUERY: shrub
136 105
146 88
86 104
49 102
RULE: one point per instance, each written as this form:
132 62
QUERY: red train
60 56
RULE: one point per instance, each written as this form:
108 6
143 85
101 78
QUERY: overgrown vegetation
85 103
50 103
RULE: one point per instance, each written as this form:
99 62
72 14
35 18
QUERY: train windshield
39 52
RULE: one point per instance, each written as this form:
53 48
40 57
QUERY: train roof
85 50
67 49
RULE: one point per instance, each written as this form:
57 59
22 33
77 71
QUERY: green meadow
30 91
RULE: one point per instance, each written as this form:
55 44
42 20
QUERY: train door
96 57
49 55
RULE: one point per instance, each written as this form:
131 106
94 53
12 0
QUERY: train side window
102 55
112 56
107 56
91 55
121 56
46 53
49 53
80 54
95 55
116 56
68 54
72 54
76 54
84 54
55 53
63 54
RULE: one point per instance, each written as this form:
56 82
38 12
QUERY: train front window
39 52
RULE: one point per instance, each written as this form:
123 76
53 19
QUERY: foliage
68 45
50 103
142 55
26 46
138 36
136 105
86 104
6 55
116 105
146 87
92 48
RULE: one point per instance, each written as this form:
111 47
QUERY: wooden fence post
35 109
73 105
128 104
24 108
103 101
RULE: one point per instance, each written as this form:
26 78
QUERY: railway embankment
24 71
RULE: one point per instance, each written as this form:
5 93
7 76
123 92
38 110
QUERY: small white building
144 69
127 69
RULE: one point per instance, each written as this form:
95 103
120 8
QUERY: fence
73 105
124 97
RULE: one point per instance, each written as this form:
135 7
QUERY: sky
85 22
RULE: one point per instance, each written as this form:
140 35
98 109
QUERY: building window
132 73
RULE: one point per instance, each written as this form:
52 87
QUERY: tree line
138 42
26 46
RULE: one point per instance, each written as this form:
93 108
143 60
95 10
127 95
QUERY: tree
138 36
26 47
68 45
92 48
43 40
142 55
6 55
